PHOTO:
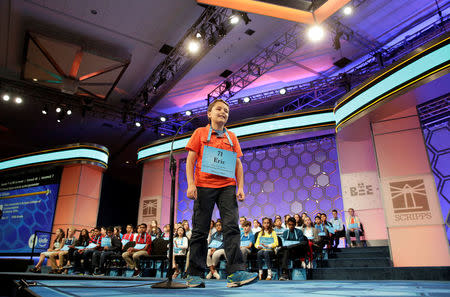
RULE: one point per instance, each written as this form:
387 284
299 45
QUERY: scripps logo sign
409 200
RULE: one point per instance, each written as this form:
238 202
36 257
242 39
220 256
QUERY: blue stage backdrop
437 139
287 178
28 203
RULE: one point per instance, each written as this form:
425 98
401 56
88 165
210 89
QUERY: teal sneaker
240 278
193 281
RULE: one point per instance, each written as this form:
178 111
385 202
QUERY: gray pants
203 207
245 252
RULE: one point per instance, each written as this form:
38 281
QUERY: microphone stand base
169 284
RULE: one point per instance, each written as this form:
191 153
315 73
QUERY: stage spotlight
198 35
45 109
6 97
193 46
18 100
188 112
246 99
69 112
282 91
234 19
348 10
60 117
35 79
315 33
58 109
137 124
162 119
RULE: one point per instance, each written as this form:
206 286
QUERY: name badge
215 244
353 226
330 229
266 240
140 246
290 242
65 248
92 246
245 243
106 241
125 241
219 162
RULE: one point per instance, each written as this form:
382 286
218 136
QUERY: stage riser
363 262
392 273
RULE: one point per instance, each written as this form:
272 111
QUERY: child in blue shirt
247 240
294 246
215 251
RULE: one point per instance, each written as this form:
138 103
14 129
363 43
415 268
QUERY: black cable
439 11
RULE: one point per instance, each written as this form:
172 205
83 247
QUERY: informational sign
28 201
360 190
411 201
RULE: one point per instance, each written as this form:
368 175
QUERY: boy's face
291 226
351 212
277 223
335 214
219 113
323 218
247 228
317 220
129 229
166 228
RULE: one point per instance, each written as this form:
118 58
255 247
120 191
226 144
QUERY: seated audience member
94 245
55 247
323 234
69 242
294 247
353 225
256 226
129 236
141 249
313 239
266 243
247 240
286 218
330 228
74 252
187 229
298 221
166 232
212 229
277 217
111 245
304 216
241 221
120 231
338 226
277 227
215 251
180 245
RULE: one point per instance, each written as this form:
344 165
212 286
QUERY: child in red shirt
214 152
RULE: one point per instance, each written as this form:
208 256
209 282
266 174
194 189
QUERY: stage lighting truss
208 30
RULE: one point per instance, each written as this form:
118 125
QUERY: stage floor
138 288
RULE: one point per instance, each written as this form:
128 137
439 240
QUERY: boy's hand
240 194
192 192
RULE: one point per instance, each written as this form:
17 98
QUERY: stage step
381 273
358 262
359 253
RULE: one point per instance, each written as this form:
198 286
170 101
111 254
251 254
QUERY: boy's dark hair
97 228
292 220
317 217
144 225
334 210
246 224
110 229
324 214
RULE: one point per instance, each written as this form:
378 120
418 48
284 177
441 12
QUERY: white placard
361 190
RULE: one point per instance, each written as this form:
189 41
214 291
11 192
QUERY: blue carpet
117 288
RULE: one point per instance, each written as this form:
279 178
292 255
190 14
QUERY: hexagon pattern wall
437 140
288 178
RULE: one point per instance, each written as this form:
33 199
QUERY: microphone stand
168 284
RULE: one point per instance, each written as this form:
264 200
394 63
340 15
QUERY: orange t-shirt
197 142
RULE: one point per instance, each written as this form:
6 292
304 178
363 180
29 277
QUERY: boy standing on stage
215 153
